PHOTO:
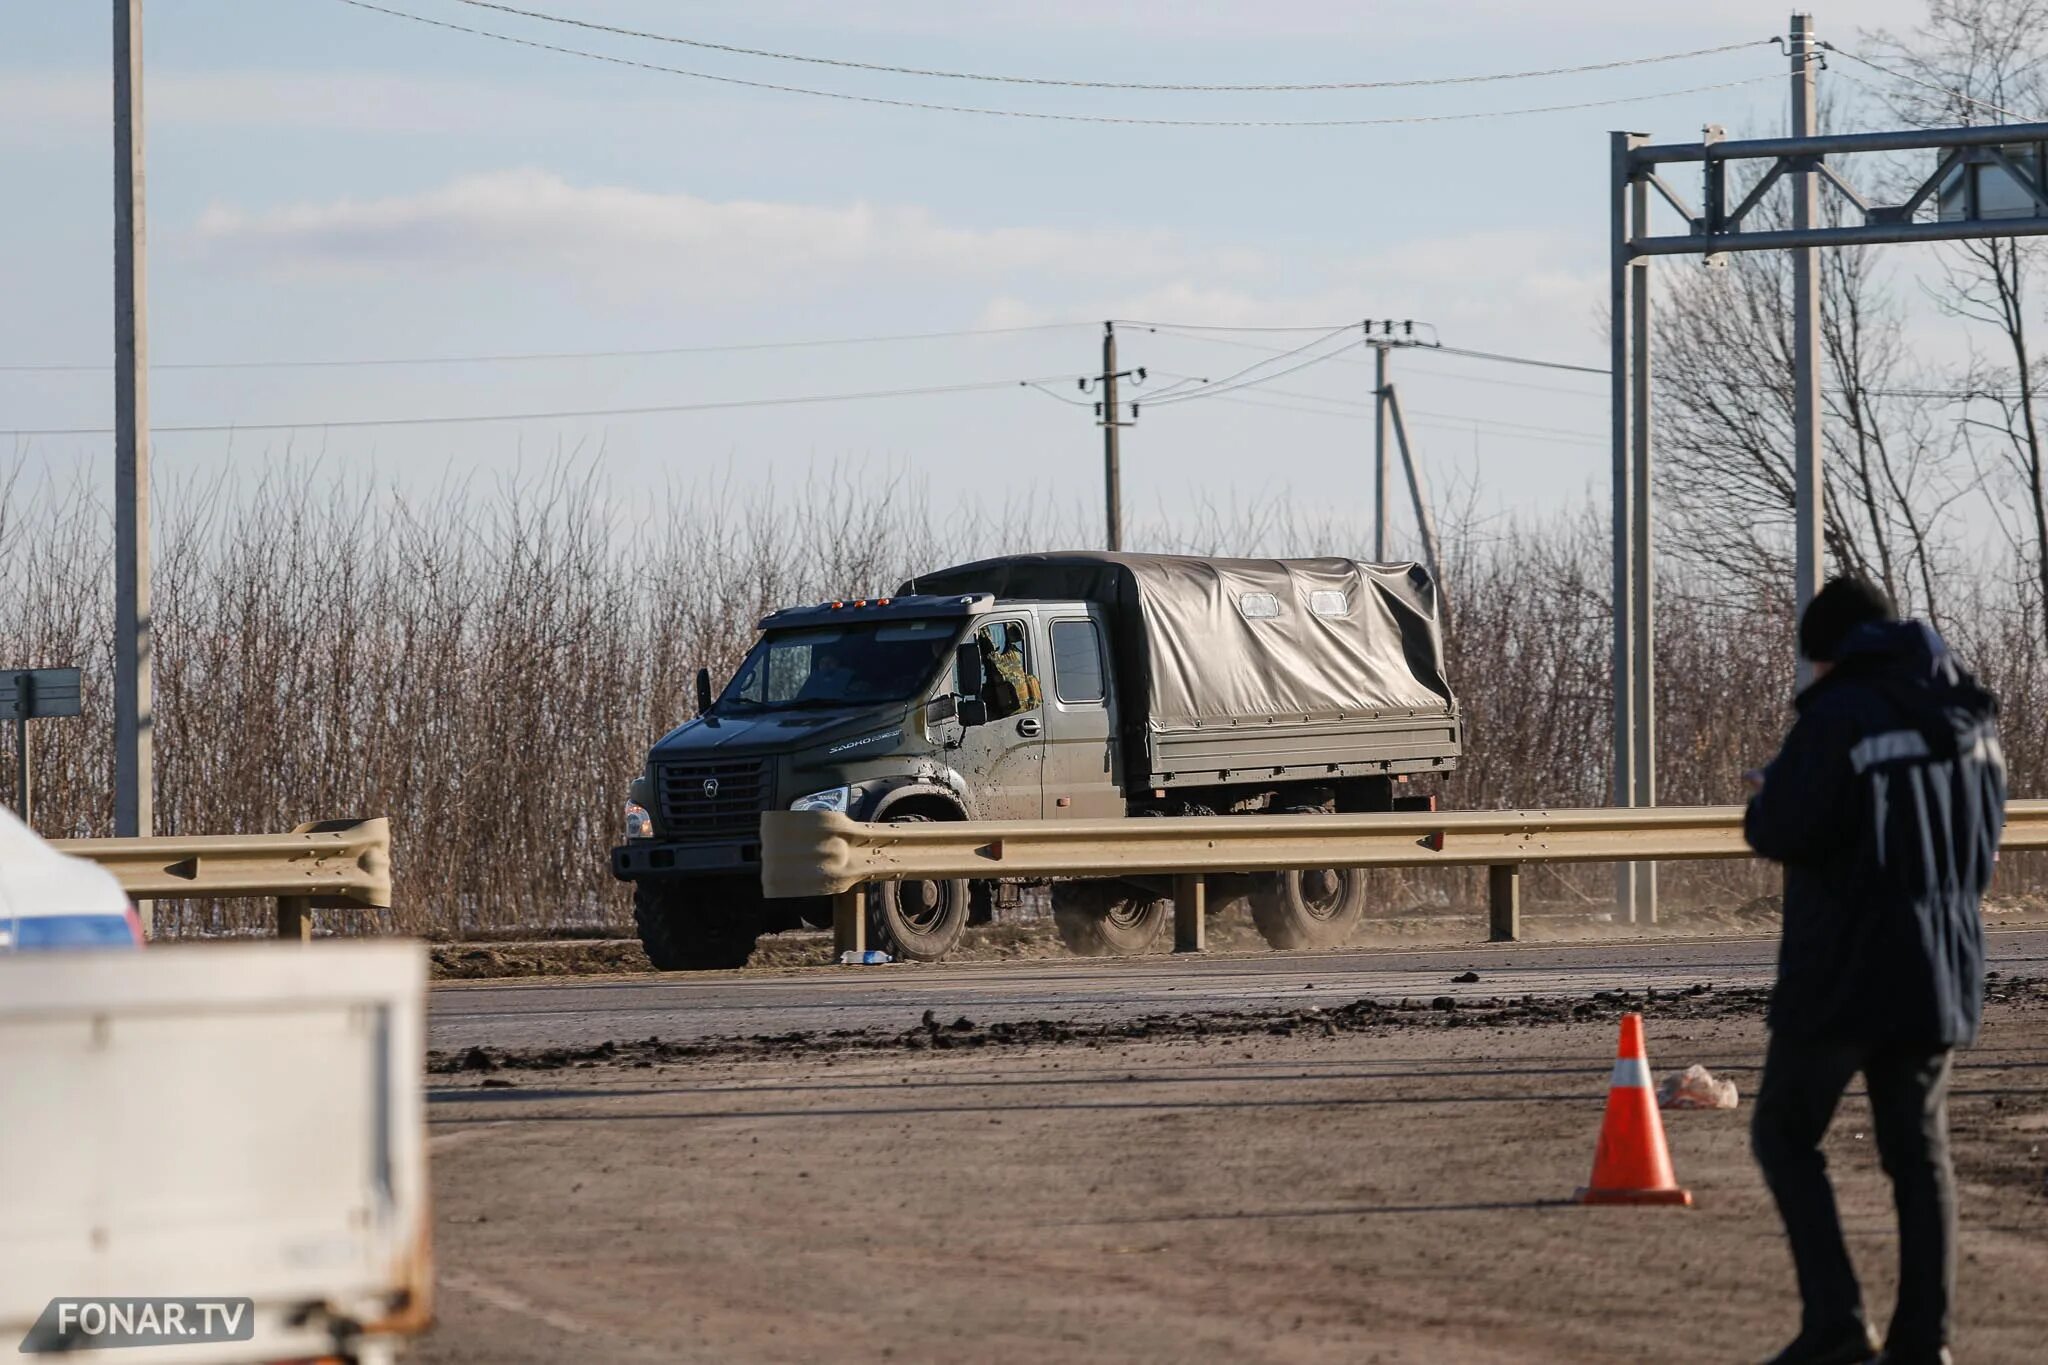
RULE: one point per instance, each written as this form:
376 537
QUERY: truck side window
1008 684
1076 661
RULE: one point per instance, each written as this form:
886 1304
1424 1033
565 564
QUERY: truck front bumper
656 860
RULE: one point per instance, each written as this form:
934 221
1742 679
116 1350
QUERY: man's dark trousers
1803 1081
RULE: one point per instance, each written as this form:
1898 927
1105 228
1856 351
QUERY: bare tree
1725 413
1972 62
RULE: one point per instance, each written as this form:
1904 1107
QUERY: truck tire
694 926
917 921
1309 909
1108 919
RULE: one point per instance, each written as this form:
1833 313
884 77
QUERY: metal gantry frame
1712 230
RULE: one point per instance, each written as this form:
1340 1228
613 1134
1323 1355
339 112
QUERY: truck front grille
711 800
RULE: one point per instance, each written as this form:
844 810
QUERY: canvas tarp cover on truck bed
1191 656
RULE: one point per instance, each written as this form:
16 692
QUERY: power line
1180 329
1217 392
1036 114
1600 370
1928 85
1458 425
1362 406
1229 327
785 401
1231 381
1465 377
494 359
1267 88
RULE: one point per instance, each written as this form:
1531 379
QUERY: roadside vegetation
487 664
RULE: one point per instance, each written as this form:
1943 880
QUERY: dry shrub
487 663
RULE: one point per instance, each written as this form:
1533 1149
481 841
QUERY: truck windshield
850 665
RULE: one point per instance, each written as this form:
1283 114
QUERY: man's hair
1838 608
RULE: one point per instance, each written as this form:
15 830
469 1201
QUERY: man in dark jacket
1885 806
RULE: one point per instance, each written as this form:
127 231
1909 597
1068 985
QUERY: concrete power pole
1809 490
1382 476
1105 412
1112 468
133 651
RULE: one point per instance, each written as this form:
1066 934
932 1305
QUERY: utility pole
1808 489
1634 664
134 765
1386 414
1105 411
1112 466
1425 522
1382 484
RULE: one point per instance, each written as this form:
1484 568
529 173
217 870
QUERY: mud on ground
1378 1182
1364 1016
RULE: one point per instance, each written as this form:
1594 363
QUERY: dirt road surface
583 1011
1387 1191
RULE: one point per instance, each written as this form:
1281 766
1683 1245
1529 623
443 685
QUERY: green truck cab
1051 686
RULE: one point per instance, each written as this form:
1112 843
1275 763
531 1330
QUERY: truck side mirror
703 690
945 706
972 711
967 670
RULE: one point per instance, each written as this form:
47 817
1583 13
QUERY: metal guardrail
328 863
811 853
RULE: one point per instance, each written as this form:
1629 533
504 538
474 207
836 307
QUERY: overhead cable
1181 329
1525 360
1279 355
1362 406
1225 386
1928 85
1258 88
494 359
790 400
1458 427
1037 114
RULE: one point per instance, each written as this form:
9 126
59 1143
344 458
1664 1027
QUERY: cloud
531 227
535 222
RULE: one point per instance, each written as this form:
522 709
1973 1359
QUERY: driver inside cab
1008 687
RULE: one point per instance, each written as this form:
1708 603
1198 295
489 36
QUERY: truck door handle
1029 726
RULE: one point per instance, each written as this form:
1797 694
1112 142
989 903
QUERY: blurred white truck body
218 1122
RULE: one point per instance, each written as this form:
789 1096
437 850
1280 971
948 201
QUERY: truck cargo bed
1302 750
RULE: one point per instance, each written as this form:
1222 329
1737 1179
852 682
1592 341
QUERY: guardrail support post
850 921
1504 902
1190 899
295 918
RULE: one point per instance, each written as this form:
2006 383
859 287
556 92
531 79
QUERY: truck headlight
639 824
837 799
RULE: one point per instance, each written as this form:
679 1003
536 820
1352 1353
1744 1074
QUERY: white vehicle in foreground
221 1142
49 901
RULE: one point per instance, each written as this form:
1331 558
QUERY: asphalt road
681 1007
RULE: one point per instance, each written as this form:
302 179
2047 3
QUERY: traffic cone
1631 1165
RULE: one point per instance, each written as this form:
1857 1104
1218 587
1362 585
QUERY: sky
326 182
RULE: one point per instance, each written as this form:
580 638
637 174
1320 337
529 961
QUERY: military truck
1051 686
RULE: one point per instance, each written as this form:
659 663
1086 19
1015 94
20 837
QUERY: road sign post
28 694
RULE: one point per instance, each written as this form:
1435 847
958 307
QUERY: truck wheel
917 920
1108 919
691 928
1312 909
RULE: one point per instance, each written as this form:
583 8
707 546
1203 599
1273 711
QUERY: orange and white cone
1632 1164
